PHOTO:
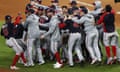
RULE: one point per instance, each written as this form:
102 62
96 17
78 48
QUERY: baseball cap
84 9
53 6
108 8
75 8
55 1
73 2
41 8
31 11
40 1
51 10
31 0
8 17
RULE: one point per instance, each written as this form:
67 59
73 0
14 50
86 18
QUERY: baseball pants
30 43
18 49
14 44
74 42
110 40
92 45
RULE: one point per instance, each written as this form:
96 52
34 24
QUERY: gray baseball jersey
88 21
91 36
54 31
32 25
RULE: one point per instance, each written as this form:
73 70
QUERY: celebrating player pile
65 34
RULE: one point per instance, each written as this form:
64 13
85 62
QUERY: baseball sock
108 51
15 60
57 56
114 51
43 50
23 57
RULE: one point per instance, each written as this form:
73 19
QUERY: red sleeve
101 19
62 25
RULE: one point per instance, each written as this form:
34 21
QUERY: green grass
6 56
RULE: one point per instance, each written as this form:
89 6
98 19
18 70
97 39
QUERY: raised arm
39 5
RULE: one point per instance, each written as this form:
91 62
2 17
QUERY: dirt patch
5 70
12 7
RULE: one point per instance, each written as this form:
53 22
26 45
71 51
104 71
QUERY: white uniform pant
110 39
30 43
74 43
13 44
54 46
92 44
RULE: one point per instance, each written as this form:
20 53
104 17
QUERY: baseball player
91 34
110 35
54 34
97 12
8 32
44 42
33 34
74 38
64 34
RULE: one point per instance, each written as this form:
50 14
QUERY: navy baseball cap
84 9
41 8
31 11
53 6
8 17
51 10
73 2
108 8
55 1
75 8
31 0
40 1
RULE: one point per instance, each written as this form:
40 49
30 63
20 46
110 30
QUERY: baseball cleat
99 60
31 65
57 65
114 60
71 65
41 63
110 61
94 61
26 65
14 68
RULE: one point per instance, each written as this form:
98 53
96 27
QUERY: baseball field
12 7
